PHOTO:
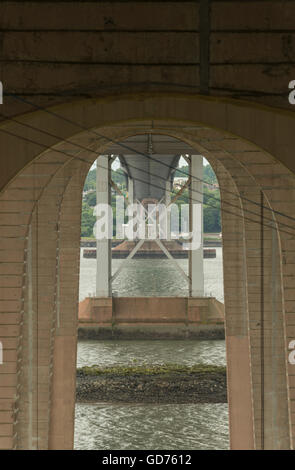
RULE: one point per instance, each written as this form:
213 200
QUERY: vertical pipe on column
32 335
262 316
30 339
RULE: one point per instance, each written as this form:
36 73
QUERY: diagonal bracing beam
126 260
168 254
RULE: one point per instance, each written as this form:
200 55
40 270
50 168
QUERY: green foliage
209 175
119 177
182 171
88 220
90 199
211 208
90 182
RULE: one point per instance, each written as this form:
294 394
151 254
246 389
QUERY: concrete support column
236 315
14 217
130 190
288 284
196 267
265 306
263 244
266 328
63 394
103 246
37 341
167 202
37 379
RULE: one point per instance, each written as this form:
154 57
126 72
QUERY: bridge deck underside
150 160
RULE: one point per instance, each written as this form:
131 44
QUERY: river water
158 277
109 426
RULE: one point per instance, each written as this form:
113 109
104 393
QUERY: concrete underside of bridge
40 246
106 94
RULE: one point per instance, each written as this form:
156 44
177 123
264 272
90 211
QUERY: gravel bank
156 384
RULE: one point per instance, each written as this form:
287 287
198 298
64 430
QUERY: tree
88 221
90 199
209 175
182 171
119 177
211 210
90 182
211 200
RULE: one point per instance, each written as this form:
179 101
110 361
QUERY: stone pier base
151 317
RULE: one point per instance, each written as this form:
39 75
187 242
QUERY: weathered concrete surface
151 317
103 65
139 311
54 52
55 181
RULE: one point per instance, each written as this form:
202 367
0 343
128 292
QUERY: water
109 426
158 277
154 427
129 352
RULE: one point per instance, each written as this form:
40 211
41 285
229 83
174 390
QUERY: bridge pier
103 245
236 316
262 320
196 263
37 386
167 203
130 190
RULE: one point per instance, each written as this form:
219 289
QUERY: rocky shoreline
156 384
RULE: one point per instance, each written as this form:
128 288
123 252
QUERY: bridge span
170 69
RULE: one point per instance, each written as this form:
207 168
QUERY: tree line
211 199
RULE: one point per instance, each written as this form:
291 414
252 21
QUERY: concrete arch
268 128
40 208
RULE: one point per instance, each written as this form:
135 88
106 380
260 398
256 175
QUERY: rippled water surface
160 277
155 427
144 426
187 352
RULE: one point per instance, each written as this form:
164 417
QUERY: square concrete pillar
103 244
196 267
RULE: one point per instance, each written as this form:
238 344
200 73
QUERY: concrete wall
133 311
120 68
241 166
53 52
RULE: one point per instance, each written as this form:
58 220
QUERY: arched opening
159 316
40 211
